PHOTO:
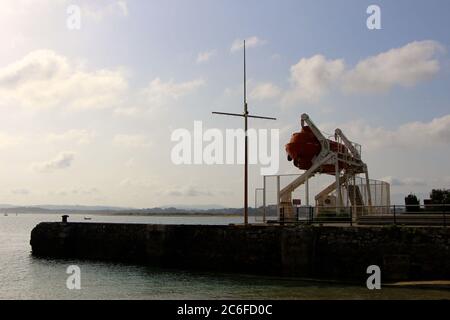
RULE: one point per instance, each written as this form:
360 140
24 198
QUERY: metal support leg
338 184
369 196
278 195
264 199
307 191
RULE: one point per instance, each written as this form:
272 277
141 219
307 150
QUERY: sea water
23 276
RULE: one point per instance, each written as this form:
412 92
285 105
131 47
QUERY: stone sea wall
343 253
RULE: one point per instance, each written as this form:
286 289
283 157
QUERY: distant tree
412 203
440 196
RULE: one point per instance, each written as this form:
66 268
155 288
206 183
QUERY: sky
87 113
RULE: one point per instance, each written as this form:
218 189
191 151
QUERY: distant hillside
80 207
195 206
56 209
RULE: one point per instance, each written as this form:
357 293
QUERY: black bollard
64 218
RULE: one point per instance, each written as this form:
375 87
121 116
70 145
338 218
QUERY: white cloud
188 191
312 78
405 182
154 184
98 11
235 91
7 140
130 163
205 56
275 57
179 191
416 135
131 140
159 93
126 111
123 7
44 79
442 182
138 183
21 192
405 67
63 161
28 7
76 136
85 192
264 91
77 192
251 42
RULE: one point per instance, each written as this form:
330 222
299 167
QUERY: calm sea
25 277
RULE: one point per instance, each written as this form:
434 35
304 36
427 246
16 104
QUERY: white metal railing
437 214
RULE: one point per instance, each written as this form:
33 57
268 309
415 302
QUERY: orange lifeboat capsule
304 147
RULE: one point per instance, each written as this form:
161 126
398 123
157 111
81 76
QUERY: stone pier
324 252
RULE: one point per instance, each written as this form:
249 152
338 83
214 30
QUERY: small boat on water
5 214
87 218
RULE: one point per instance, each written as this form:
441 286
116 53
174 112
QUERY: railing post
395 215
282 216
444 211
351 217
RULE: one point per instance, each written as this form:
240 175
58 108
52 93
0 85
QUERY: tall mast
246 116
246 142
